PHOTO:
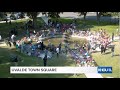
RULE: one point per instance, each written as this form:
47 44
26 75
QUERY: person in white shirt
12 37
0 38
57 50
34 32
29 39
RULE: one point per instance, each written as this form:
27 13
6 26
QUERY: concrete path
92 75
45 19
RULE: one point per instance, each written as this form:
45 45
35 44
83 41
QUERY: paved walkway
13 20
2 44
92 75
45 19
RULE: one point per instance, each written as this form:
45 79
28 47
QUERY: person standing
9 43
34 32
42 45
102 48
113 49
89 47
57 50
12 38
0 38
105 45
45 60
46 51
60 48
10 22
16 60
112 37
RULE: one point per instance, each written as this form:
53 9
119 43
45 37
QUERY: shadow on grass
28 61
117 55
108 53
111 52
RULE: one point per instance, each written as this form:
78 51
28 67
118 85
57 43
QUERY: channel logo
104 69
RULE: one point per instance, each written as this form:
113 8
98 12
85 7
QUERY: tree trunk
34 22
84 16
98 17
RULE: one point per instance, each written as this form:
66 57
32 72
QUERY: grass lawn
102 60
5 28
93 25
107 60
33 61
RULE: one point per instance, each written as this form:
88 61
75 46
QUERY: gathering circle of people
32 43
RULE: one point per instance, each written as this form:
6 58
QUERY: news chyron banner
59 70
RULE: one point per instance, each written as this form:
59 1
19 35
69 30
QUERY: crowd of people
100 39
32 43
82 58
38 48
61 27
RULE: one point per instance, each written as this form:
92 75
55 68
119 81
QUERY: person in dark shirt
45 60
105 46
112 37
113 49
46 51
57 51
42 45
14 59
14 43
9 43
89 47
102 49
59 48
10 22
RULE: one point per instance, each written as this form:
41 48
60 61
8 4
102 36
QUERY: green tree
1 14
83 13
52 14
99 14
33 15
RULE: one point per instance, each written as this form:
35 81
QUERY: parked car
13 17
6 18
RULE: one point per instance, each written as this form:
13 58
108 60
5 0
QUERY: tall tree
33 15
84 14
1 14
52 14
99 15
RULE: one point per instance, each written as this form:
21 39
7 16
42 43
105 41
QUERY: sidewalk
12 20
91 75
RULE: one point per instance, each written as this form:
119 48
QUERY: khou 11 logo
104 69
